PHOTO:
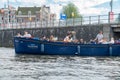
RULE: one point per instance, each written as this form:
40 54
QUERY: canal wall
86 32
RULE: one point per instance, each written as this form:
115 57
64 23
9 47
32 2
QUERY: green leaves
71 11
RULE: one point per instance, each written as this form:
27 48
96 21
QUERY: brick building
27 14
7 15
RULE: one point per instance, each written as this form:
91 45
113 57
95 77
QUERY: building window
29 13
19 13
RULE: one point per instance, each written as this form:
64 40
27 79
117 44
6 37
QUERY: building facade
27 14
7 16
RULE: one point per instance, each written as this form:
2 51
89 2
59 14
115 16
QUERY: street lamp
111 14
8 25
111 5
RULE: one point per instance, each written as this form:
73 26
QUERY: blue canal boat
41 47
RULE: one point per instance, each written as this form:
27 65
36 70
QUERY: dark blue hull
39 47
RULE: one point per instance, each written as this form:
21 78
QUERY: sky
85 7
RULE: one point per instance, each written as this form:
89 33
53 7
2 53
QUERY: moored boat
41 47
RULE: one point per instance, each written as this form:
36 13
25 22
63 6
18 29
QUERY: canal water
37 67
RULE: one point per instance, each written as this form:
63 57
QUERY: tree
71 11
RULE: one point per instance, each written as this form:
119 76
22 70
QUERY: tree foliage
71 11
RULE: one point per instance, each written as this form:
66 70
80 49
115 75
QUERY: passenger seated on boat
18 35
44 38
112 41
76 41
99 37
103 41
92 41
52 38
81 41
68 38
26 34
117 41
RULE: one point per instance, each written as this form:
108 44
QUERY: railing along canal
89 20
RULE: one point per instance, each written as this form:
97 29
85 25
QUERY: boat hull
41 47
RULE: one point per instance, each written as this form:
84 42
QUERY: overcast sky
86 7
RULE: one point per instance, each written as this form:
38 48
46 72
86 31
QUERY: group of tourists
26 34
100 39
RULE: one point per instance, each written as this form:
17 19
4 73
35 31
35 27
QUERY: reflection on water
37 67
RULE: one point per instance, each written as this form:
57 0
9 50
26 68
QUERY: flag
10 7
111 16
72 14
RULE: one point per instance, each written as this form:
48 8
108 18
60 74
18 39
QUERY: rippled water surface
37 67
